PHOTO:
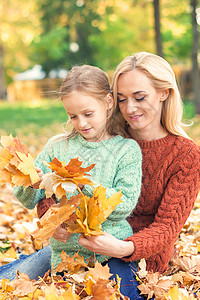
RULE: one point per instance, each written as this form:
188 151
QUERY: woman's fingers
107 244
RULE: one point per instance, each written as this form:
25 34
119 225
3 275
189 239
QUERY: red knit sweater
171 181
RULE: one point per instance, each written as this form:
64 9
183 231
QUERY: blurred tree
124 28
64 38
18 25
195 68
156 5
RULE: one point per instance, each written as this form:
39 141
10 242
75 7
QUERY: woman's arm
175 207
177 202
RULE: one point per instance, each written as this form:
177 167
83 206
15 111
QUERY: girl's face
140 104
88 115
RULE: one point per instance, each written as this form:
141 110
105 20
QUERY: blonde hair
162 77
91 81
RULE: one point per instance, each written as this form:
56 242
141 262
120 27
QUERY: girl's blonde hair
162 77
91 81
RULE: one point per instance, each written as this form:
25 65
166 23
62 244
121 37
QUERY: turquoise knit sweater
117 167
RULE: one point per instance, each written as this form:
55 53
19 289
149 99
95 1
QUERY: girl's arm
29 197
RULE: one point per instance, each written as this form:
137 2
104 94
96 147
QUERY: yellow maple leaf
92 212
175 293
6 141
27 167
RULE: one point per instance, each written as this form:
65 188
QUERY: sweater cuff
138 249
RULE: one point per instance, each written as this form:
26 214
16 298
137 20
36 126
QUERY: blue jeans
126 271
38 263
34 265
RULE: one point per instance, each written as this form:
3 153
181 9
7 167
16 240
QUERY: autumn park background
40 40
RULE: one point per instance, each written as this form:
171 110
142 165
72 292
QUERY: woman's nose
131 106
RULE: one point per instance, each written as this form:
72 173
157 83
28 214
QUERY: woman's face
140 103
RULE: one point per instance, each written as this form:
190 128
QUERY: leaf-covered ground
181 281
17 224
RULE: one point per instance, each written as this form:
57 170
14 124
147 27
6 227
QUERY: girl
86 97
149 110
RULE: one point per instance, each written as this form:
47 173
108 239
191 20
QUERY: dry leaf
55 216
70 264
99 272
23 285
64 177
142 265
16 164
92 212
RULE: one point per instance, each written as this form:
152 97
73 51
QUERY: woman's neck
142 135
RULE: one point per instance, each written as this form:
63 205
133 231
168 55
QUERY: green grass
15 116
35 123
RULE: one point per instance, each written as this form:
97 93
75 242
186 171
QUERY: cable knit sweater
171 181
118 166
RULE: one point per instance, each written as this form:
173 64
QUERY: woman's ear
110 100
164 95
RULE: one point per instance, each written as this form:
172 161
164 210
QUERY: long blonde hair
162 77
91 81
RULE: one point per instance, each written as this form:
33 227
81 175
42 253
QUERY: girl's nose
82 122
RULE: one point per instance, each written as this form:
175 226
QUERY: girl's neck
142 135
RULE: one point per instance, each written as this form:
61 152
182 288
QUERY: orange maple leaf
55 216
71 264
16 163
64 177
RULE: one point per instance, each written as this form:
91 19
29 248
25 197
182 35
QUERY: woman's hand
61 235
107 244
40 174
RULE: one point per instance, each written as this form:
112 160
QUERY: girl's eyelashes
88 114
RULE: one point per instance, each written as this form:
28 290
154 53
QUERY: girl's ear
110 100
164 95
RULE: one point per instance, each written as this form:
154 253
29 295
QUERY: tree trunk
156 5
195 70
2 87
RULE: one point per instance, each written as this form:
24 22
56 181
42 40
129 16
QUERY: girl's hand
61 235
37 184
107 244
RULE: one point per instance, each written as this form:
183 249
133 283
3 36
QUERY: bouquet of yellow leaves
80 214
16 164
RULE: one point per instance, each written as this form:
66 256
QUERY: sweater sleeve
178 200
29 197
128 178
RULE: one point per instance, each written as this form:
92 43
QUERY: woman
150 110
